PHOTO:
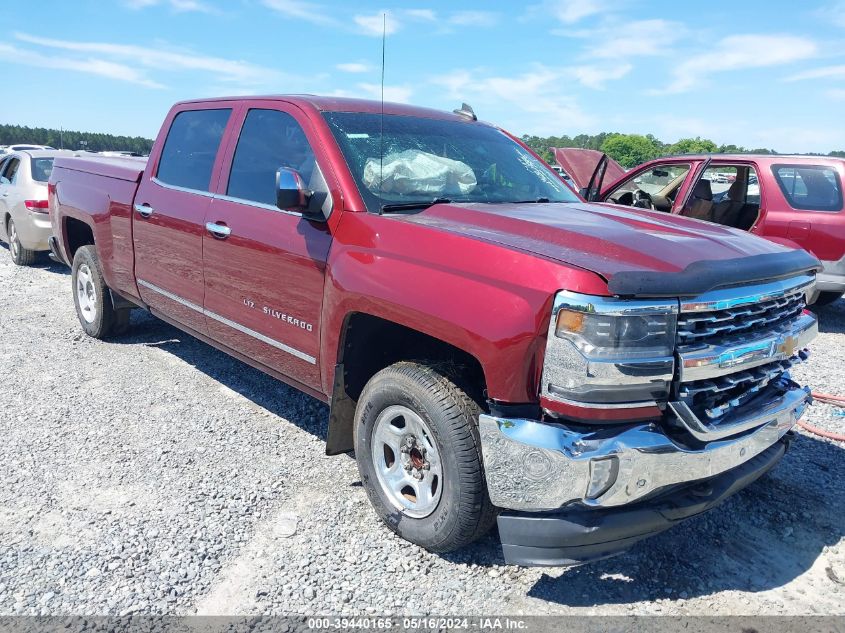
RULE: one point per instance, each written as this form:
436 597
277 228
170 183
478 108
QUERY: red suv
793 200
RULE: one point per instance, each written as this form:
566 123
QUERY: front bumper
536 466
581 536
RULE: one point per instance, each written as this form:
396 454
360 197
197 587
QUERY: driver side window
654 188
270 139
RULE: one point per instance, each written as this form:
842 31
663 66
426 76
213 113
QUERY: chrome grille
696 328
711 399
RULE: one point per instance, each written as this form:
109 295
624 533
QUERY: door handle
144 210
220 231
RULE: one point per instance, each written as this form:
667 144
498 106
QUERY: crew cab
793 200
493 348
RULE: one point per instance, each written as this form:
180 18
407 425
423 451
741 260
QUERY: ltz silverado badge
281 316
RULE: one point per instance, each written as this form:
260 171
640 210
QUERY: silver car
24 216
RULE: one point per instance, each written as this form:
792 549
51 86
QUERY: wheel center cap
413 457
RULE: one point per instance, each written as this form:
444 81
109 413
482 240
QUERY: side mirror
290 190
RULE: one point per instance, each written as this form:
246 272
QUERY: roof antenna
466 111
381 121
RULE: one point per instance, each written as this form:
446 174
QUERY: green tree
695 145
630 149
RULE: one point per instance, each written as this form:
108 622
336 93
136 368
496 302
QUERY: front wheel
419 456
20 255
94 308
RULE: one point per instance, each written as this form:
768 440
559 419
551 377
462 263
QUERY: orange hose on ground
834 400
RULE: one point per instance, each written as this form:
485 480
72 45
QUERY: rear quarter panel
104 203
822 233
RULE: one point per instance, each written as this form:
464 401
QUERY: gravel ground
155 474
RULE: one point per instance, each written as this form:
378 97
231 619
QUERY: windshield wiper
408 206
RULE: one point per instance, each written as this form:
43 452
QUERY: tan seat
701 201
727 211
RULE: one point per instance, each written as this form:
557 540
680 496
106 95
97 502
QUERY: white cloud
180 6
635 38
427 15
396 94
566 11
378 23
234 71
354 67
474 18
837 94
834 13
89 65
738 52
535 102
596 76
826 72
307 11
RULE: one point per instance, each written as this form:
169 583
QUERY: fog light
603 473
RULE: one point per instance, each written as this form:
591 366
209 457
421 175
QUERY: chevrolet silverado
493 349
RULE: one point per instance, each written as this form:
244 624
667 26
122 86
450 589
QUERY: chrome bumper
534 466
832 276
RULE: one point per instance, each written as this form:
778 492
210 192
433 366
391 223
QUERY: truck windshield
424 161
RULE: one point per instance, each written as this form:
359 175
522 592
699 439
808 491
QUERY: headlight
617 331
605 353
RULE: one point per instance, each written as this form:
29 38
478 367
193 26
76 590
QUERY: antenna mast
381 122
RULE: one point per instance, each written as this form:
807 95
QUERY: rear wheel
92 299
419 455
826 298
20 255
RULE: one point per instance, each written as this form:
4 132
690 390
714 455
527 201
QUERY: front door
265 266
169 215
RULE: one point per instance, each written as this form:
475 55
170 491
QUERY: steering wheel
642 200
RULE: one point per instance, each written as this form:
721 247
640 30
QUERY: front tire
826 298
419 456
91 296
20 255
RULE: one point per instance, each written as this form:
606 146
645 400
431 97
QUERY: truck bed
122 168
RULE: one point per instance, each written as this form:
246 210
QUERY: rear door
265 266
170 209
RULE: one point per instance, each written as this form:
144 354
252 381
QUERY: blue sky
764 73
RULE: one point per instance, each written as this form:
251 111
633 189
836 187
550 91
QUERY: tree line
72 139
632 149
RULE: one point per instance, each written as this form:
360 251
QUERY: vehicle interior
655 188
727 195
724 194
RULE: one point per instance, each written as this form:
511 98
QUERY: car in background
24 215
796 201
8 149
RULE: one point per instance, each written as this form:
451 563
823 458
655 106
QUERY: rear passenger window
270 139
811 187
191 148
10 170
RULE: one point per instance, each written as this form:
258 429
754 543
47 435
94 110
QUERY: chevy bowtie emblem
787 346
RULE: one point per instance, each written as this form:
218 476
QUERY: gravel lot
155 474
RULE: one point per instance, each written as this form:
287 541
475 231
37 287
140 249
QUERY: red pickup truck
793 200
492 347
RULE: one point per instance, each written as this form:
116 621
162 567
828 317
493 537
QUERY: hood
605 239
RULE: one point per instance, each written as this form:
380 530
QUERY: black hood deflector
703 276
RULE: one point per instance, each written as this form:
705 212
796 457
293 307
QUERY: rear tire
92 297
419 456
20 255
826 298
